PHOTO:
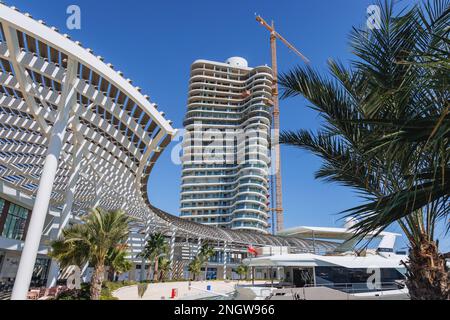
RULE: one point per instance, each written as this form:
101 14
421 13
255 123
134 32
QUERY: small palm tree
164 267
242 271
117 261
205 253
90 242
195 266
155 248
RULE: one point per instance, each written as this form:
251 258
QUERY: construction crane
278 209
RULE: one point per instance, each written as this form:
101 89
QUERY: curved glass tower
226 154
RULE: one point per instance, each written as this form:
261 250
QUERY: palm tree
386 132
205 253
91 242
164 267
117 261
242 271
155 248
195 266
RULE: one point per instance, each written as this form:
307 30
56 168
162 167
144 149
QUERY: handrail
349 287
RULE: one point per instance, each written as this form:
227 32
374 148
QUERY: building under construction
226 157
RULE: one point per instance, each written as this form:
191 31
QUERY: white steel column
199 245
172 253
40 208
144 242
66 210
189 256
142 273
98 193
225 247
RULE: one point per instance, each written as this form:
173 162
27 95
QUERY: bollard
174 293
208 287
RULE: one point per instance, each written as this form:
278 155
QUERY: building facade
15 214
226 155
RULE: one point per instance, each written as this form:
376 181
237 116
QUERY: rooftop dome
237 62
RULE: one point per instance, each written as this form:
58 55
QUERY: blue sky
154 43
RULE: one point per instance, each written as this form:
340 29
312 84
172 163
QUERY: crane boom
278 209
290 46
279 36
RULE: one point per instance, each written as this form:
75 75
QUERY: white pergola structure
74 133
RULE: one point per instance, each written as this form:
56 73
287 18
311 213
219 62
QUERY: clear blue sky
154 43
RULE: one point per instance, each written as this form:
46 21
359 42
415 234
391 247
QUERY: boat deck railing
361 287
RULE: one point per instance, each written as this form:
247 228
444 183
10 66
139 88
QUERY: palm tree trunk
155 271
149 273
427 275
97 281
111 273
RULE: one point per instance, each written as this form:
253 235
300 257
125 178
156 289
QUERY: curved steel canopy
113 138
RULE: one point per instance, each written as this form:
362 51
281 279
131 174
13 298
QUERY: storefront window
40 272
15 222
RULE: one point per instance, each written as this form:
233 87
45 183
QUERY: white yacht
343 274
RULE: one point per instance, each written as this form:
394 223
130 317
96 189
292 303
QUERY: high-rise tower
226 155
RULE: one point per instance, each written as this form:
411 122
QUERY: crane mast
278 209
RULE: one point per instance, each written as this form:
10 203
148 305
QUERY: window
2 205
40 271
16 219
355 278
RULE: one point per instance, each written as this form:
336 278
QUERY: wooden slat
104 85
37 76
121 98
113 92
145 119
57 86
48 82
85 73
129 106
54 55
31 43
100 110
108 115
20 37
142 146
95 78
9 91
152 127
43 49
6 65
84 100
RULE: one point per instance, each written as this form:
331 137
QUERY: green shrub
76 294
